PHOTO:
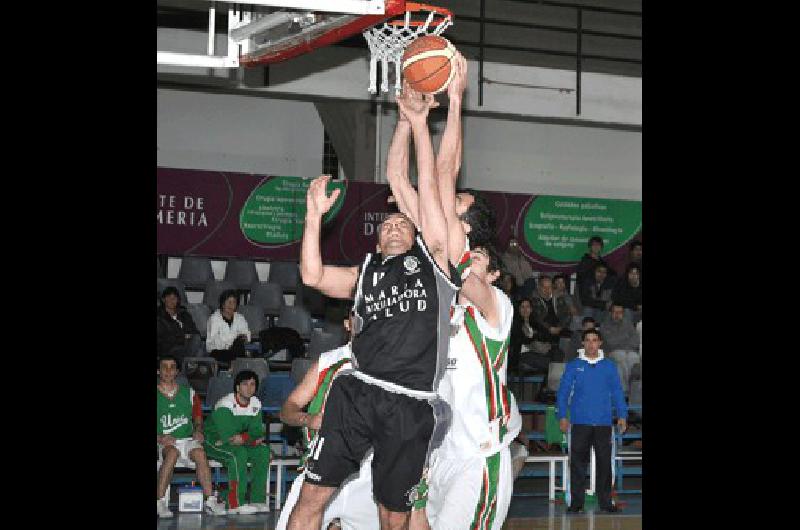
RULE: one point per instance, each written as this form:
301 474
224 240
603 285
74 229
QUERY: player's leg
353 506
601 440
580 443
198 456
307 513
234 458
505 488
291 500
259 457
169 456
455 494
402 432
336 453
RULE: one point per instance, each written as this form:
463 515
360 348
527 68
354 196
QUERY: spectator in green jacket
235 436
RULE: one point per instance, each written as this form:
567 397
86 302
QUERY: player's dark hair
595 239
592 330
481 218
495 262
228 293
245 375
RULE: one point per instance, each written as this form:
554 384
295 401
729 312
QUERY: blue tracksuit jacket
590 391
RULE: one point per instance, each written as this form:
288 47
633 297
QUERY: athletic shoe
215 507
575 509
162 508
244 509
262 507
611 508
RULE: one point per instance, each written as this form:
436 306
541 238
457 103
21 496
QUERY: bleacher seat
285 274
297 318
259 366
219 386
200 314
241 273
267 295
163 283
277 388
199 370
299 368
322 341
254 315
212 291
554 373
195 272
312 300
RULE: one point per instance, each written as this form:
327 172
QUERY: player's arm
292 409
397 171
336 282
432 225
448 159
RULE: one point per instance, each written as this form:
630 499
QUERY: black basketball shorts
360 415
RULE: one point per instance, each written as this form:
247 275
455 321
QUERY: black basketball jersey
403 302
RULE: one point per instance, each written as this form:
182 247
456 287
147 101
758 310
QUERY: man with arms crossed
402 303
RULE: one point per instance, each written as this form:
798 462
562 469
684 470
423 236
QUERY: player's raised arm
415 107
397 171
448 159
336 282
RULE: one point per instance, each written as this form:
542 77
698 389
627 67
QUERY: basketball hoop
388 40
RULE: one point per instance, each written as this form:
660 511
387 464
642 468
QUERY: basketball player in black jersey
402 301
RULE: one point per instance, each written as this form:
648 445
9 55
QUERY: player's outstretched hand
317 200
459 82
413 105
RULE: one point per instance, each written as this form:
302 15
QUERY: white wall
236 133
540 158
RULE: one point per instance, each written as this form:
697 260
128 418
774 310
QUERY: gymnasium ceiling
518 32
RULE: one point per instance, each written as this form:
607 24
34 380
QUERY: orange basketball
428 64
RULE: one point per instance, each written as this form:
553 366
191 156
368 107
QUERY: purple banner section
200 213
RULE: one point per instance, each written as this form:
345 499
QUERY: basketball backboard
269 31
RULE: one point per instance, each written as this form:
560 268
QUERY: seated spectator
621 342
551 318
576 341
227 330
235 434
510 287
590 260
560 289
176 331
628 293
516 263
180 435
596 293
523 333
635 255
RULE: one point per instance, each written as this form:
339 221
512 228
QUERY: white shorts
470 492
184 447
353 503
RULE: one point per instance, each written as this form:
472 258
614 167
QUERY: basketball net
388 41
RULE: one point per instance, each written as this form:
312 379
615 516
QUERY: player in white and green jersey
471 479
352 505
180 435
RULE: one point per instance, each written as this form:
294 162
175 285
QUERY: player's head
245 384
477 217
485 263
228 301
171 298
167 368
396 234
592 340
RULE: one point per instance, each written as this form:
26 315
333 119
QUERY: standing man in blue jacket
590 387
